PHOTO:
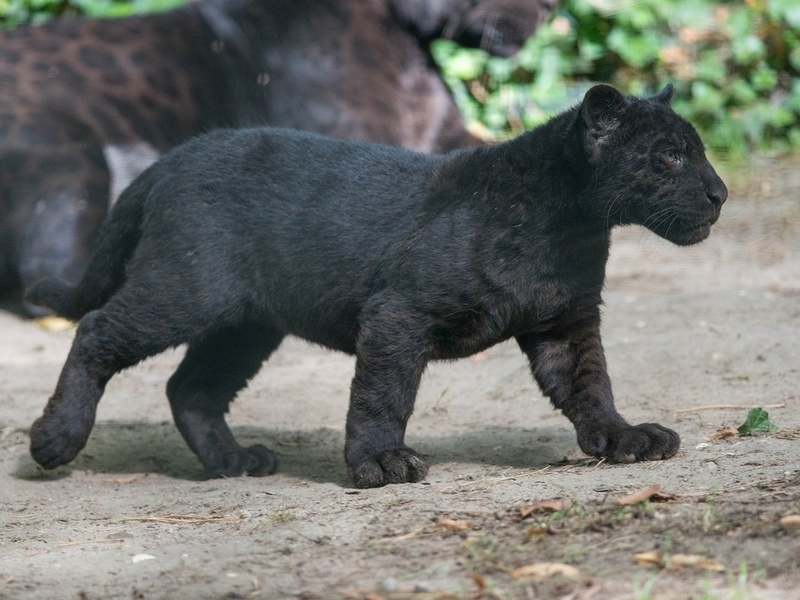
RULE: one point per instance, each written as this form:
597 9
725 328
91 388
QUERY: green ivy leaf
706 97
466 64
710 68
748 49
764 78
757 422
741 22
793 101
794 58
637 50
742 92
788 10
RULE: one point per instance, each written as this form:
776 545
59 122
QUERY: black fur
87 104
238 238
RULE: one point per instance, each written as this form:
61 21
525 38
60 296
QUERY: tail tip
52 294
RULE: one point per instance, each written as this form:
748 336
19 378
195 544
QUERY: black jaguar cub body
88 104
239 238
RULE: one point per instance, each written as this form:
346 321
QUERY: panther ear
665 95
601 110
602 106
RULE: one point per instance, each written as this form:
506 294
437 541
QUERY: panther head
649 165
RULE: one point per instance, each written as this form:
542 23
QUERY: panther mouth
691 234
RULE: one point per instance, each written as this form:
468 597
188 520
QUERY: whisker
658 217
488 33
450 27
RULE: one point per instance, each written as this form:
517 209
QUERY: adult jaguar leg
59 215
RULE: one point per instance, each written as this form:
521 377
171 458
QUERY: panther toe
632 443
54 442
399 465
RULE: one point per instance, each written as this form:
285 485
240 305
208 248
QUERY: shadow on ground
316 455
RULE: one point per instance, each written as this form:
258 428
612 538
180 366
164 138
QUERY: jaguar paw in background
241 237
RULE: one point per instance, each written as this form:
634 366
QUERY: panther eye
673 156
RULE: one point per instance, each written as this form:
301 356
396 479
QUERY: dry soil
695 337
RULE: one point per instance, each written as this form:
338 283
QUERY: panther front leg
391 357
568 363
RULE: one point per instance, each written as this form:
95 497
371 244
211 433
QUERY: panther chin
689 234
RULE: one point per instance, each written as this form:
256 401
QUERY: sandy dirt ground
714 329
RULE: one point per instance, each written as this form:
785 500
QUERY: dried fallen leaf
677 561
673 55
544 506
723 434
130 479
791 521
479 580
54 324
583 593
539 529
545 570
649 558
409 535
640 496
454 524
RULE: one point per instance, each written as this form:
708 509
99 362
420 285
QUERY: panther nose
717 197
716 191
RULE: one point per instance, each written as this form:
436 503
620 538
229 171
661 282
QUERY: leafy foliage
15 12
735 64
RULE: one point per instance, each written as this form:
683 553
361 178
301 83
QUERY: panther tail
115 243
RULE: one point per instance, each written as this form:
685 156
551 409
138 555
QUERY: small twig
308 537
408 536
81 542
466 511
603 545
256 591
722 407
184 519
501 478
499 567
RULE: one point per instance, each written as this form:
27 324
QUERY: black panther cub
239 238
